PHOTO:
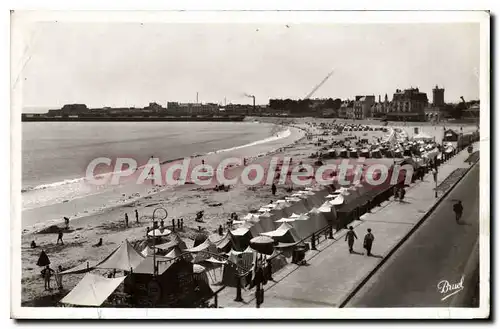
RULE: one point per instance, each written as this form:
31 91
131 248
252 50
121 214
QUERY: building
437 97
363 106
345 108
192 108
380 109
408 105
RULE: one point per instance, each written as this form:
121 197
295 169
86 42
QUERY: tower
438 96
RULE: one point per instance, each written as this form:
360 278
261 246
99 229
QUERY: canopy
240 231
337 201
250 216
159 232
207 245
215 261
124 258
146 266
280 231
93 290
175 240
148 251
174 253
325 207
225 242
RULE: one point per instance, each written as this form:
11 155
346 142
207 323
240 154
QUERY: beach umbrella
263 245
159 232
43 259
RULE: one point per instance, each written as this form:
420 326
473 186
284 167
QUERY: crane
318 85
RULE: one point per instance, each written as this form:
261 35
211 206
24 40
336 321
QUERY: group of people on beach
47 274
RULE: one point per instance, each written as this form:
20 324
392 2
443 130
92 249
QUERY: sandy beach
181 202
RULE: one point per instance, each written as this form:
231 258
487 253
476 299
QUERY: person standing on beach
58 277
368 242
47 273
136 216
66 221
59 237
350 237
273 189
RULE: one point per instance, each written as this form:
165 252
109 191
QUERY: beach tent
175 240
284 234
241 238
92 290
244 259
203 250
146 266
277 259
124 258
84 267
223 244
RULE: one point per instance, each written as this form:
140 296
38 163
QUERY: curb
406 237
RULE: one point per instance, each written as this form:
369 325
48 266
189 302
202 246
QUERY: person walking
350 237
59 237
402 193
273 189
126 220
136 216
66 222
458 210
368 242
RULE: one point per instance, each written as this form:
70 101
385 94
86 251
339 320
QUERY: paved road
438 250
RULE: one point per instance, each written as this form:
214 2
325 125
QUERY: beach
180 202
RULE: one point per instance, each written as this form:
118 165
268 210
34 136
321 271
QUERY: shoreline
136 194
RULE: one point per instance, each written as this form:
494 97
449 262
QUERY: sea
55 155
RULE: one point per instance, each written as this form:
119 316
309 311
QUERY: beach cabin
343 153
175 284
398 153
450 135
365 153
353 153
376 153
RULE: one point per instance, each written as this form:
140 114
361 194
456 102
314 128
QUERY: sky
132 64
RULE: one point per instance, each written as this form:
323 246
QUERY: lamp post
154 236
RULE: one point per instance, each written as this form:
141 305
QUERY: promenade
332 273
